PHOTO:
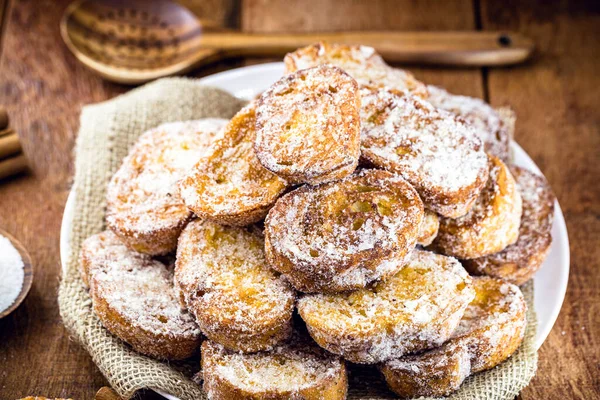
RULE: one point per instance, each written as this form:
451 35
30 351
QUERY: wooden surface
555 95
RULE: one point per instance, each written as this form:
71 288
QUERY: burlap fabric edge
107 130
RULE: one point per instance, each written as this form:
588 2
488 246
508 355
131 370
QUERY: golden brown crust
343 235
489 124
492 223
416 309
434 150
491 330
229 185
429 228
360 62
518 262
134 298
143 207
295 370
307 126
223 279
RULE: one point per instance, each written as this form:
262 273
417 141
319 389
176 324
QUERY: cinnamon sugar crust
307 126
362 63
297 369
491 224
490 331
416 309
223 279
343 235
134 298
229 185
143 206
518 262
435 151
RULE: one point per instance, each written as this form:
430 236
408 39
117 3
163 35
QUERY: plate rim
277 68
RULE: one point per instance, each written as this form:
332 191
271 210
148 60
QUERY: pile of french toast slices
348 214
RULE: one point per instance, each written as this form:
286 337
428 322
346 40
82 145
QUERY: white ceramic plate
551 279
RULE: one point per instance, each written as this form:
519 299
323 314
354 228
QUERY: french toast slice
308 127
488 123
134 298
491 330
429 228
229 185
434 150
297 369
143 207
416 309
362 63
343 235
491 224
224 280
518 262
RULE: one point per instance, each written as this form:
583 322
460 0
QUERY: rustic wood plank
556 99
274 16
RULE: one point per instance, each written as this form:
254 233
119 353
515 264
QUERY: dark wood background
556 96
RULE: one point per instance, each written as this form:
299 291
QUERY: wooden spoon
27 280
145 40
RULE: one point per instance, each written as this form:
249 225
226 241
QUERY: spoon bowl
144 40
28 278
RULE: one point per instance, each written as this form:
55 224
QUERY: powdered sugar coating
491 329
487 122
294 370
360 62
307 126
434 150
490 225
434 373
143 207
134 298
518 262
224 280
229 185
416 309
343 235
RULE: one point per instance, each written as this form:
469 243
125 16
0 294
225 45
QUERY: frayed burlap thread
107 131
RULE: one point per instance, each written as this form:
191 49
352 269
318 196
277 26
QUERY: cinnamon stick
9 145
3 118
12 166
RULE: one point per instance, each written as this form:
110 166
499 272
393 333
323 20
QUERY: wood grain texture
558 124
555 97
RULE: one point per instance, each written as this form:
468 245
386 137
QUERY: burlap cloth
107 131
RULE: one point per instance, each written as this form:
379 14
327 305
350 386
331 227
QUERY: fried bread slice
343 235
134 298
224 280
143 208
488 123
295 370
362 63
429 228
491 330
491 225
416 309
229 185
434 150
308 127
518 262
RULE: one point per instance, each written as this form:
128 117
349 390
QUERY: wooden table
555 95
